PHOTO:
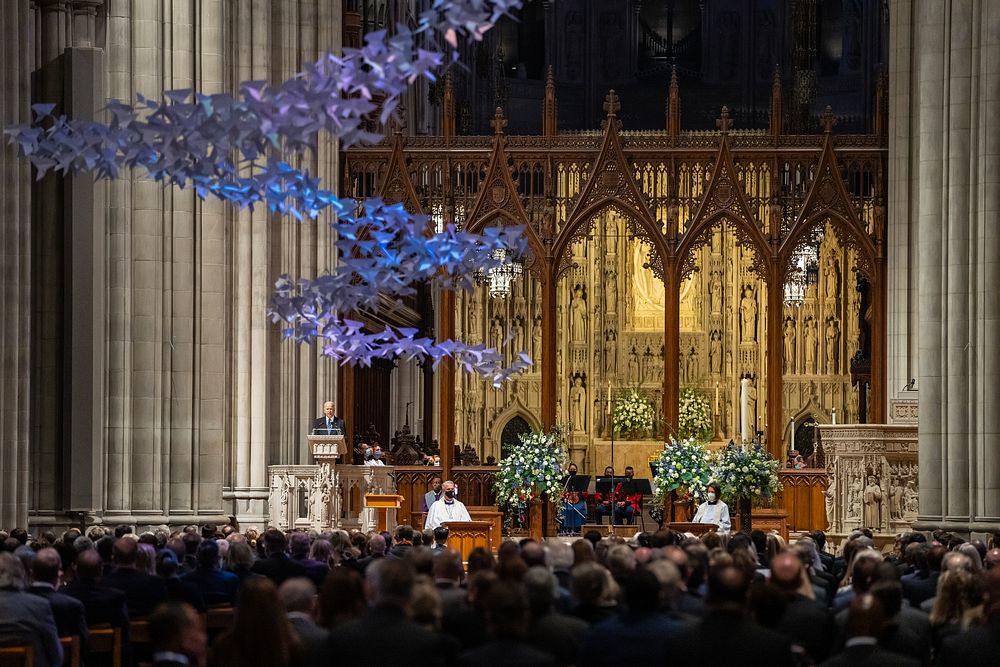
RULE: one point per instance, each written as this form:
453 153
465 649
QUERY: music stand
643 488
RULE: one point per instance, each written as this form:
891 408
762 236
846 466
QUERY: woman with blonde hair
956 595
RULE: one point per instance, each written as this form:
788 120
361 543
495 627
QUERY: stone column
944 174
17 49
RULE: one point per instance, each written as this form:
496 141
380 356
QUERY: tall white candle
716 399
609 398
833 415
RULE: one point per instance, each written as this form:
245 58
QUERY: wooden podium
464 536
693 528
382 503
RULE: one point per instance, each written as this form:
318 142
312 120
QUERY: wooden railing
475 486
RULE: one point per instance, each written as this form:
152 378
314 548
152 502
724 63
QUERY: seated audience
865 623
26 619
143 592
217 587
69 614
277 566
177 634
261 635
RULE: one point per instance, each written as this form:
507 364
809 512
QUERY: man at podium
449 508
329 423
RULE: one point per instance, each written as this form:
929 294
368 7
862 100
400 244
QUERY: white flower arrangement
683 466
694 416
633 412
746 472
533 467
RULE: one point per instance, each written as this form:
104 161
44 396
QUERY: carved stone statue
536 340
611 350
854 499
910 499
691 363
789 346
496 333
832 275
810 342
748 314
830 499
611 291
578 404
474 331
715 353
748 409
898 492
873 504
578 316
832 338
518 332
612 232
716 292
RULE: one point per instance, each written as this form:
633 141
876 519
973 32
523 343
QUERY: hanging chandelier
499 279
803 274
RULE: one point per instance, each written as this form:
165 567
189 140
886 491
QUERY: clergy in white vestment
449 508
713 510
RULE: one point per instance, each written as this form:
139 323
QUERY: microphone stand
611 414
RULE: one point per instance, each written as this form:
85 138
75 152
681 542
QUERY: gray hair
540 586
667 574
297 594
11 572
561 555
972 553
83 543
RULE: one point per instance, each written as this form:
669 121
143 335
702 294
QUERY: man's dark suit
319 426
278 568
505 653
558 635
143 592
869 655
313 638
630 640
71 617
103 604
386 632
217 587
978 646
27 619
810 625
317 571
917 588
730 637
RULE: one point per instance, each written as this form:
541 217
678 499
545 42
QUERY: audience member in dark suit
389 585
103 604
907 630
329 422
557 634
922 584
178 635
864 572
591 589
806 622
178 590
726 631
506 615
403 541
277 566
71 617
636 636
298 596
376 551
143 592
440 539
316 570
26 618
865 622
448 572
260 634
979 645
217 587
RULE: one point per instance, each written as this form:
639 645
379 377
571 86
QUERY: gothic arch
397 185
609 185
514 409
724 199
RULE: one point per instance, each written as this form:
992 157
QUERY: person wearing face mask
449 508
374 457
714 510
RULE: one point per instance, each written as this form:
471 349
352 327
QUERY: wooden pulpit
464 536
693 528
382 503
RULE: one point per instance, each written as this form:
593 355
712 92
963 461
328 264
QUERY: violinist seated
623 502
574 513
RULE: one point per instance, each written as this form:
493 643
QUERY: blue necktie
329 427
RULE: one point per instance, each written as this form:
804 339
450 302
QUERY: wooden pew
105 639
17 656
71 651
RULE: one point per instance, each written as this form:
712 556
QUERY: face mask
449 494
368 454
711 496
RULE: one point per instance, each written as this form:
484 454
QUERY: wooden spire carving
448 108
549 110
880 120
776 112
674 105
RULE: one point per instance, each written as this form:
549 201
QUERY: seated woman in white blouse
713 510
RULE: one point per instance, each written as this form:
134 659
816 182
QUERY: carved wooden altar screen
670 192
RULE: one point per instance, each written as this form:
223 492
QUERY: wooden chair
17 656
219 618
105 639
71 651
138 631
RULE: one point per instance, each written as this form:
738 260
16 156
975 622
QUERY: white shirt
717 513
374 462
442 512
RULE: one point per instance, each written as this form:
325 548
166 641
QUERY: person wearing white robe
448 508
714 510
